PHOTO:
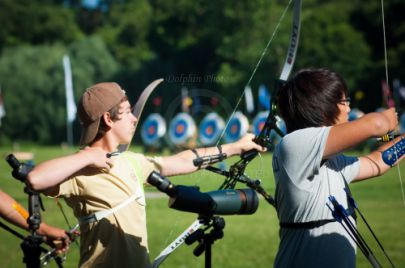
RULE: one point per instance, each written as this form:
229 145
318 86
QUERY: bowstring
59 204
260 170
386 78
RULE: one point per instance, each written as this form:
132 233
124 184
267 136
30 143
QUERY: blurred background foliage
134 42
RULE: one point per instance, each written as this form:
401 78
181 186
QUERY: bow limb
271 121
176 243
138 108
293 46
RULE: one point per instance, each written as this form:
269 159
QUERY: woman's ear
107 119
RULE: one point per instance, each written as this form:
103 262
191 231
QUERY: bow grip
392 154
249 155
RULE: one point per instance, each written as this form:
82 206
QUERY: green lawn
249 240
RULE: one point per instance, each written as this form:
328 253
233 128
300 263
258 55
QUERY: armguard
392 154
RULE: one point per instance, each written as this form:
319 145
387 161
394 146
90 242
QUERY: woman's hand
246 143
392 117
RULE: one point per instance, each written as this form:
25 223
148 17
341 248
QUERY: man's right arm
49 174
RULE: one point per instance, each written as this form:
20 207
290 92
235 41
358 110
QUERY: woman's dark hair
310 98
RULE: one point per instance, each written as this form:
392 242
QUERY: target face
259 121
153 129
182 128
237 127
210 128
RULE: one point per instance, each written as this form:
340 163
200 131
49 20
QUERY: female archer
309 167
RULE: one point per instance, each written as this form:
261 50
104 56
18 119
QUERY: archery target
355 114
181 129
259 121
210 128
237 127
153 128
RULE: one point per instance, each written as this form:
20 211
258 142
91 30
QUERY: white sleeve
301 152
349 166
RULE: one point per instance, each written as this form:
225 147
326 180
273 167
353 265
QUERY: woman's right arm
346 135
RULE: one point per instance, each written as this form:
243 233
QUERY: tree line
218 43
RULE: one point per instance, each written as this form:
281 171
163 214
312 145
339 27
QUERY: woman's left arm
372 165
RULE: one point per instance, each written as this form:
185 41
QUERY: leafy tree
257 24
126 30
91 63
33 22
368 19
33 96
33 86
185 35
217 43
328 40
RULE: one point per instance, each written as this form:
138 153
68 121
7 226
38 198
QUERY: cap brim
89 132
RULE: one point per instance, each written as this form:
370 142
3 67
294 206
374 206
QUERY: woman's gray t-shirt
303 185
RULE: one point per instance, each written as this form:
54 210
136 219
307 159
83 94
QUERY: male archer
105 190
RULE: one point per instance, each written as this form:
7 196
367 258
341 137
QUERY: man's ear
107 119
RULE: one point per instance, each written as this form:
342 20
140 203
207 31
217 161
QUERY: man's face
124 127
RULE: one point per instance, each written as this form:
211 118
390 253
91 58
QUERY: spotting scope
220 202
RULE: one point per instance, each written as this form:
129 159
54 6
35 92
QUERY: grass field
249 240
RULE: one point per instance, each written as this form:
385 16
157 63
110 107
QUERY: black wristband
198 161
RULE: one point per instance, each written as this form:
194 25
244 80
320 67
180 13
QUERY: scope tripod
207 237
31 243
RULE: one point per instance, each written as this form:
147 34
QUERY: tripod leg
208 252
32 252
